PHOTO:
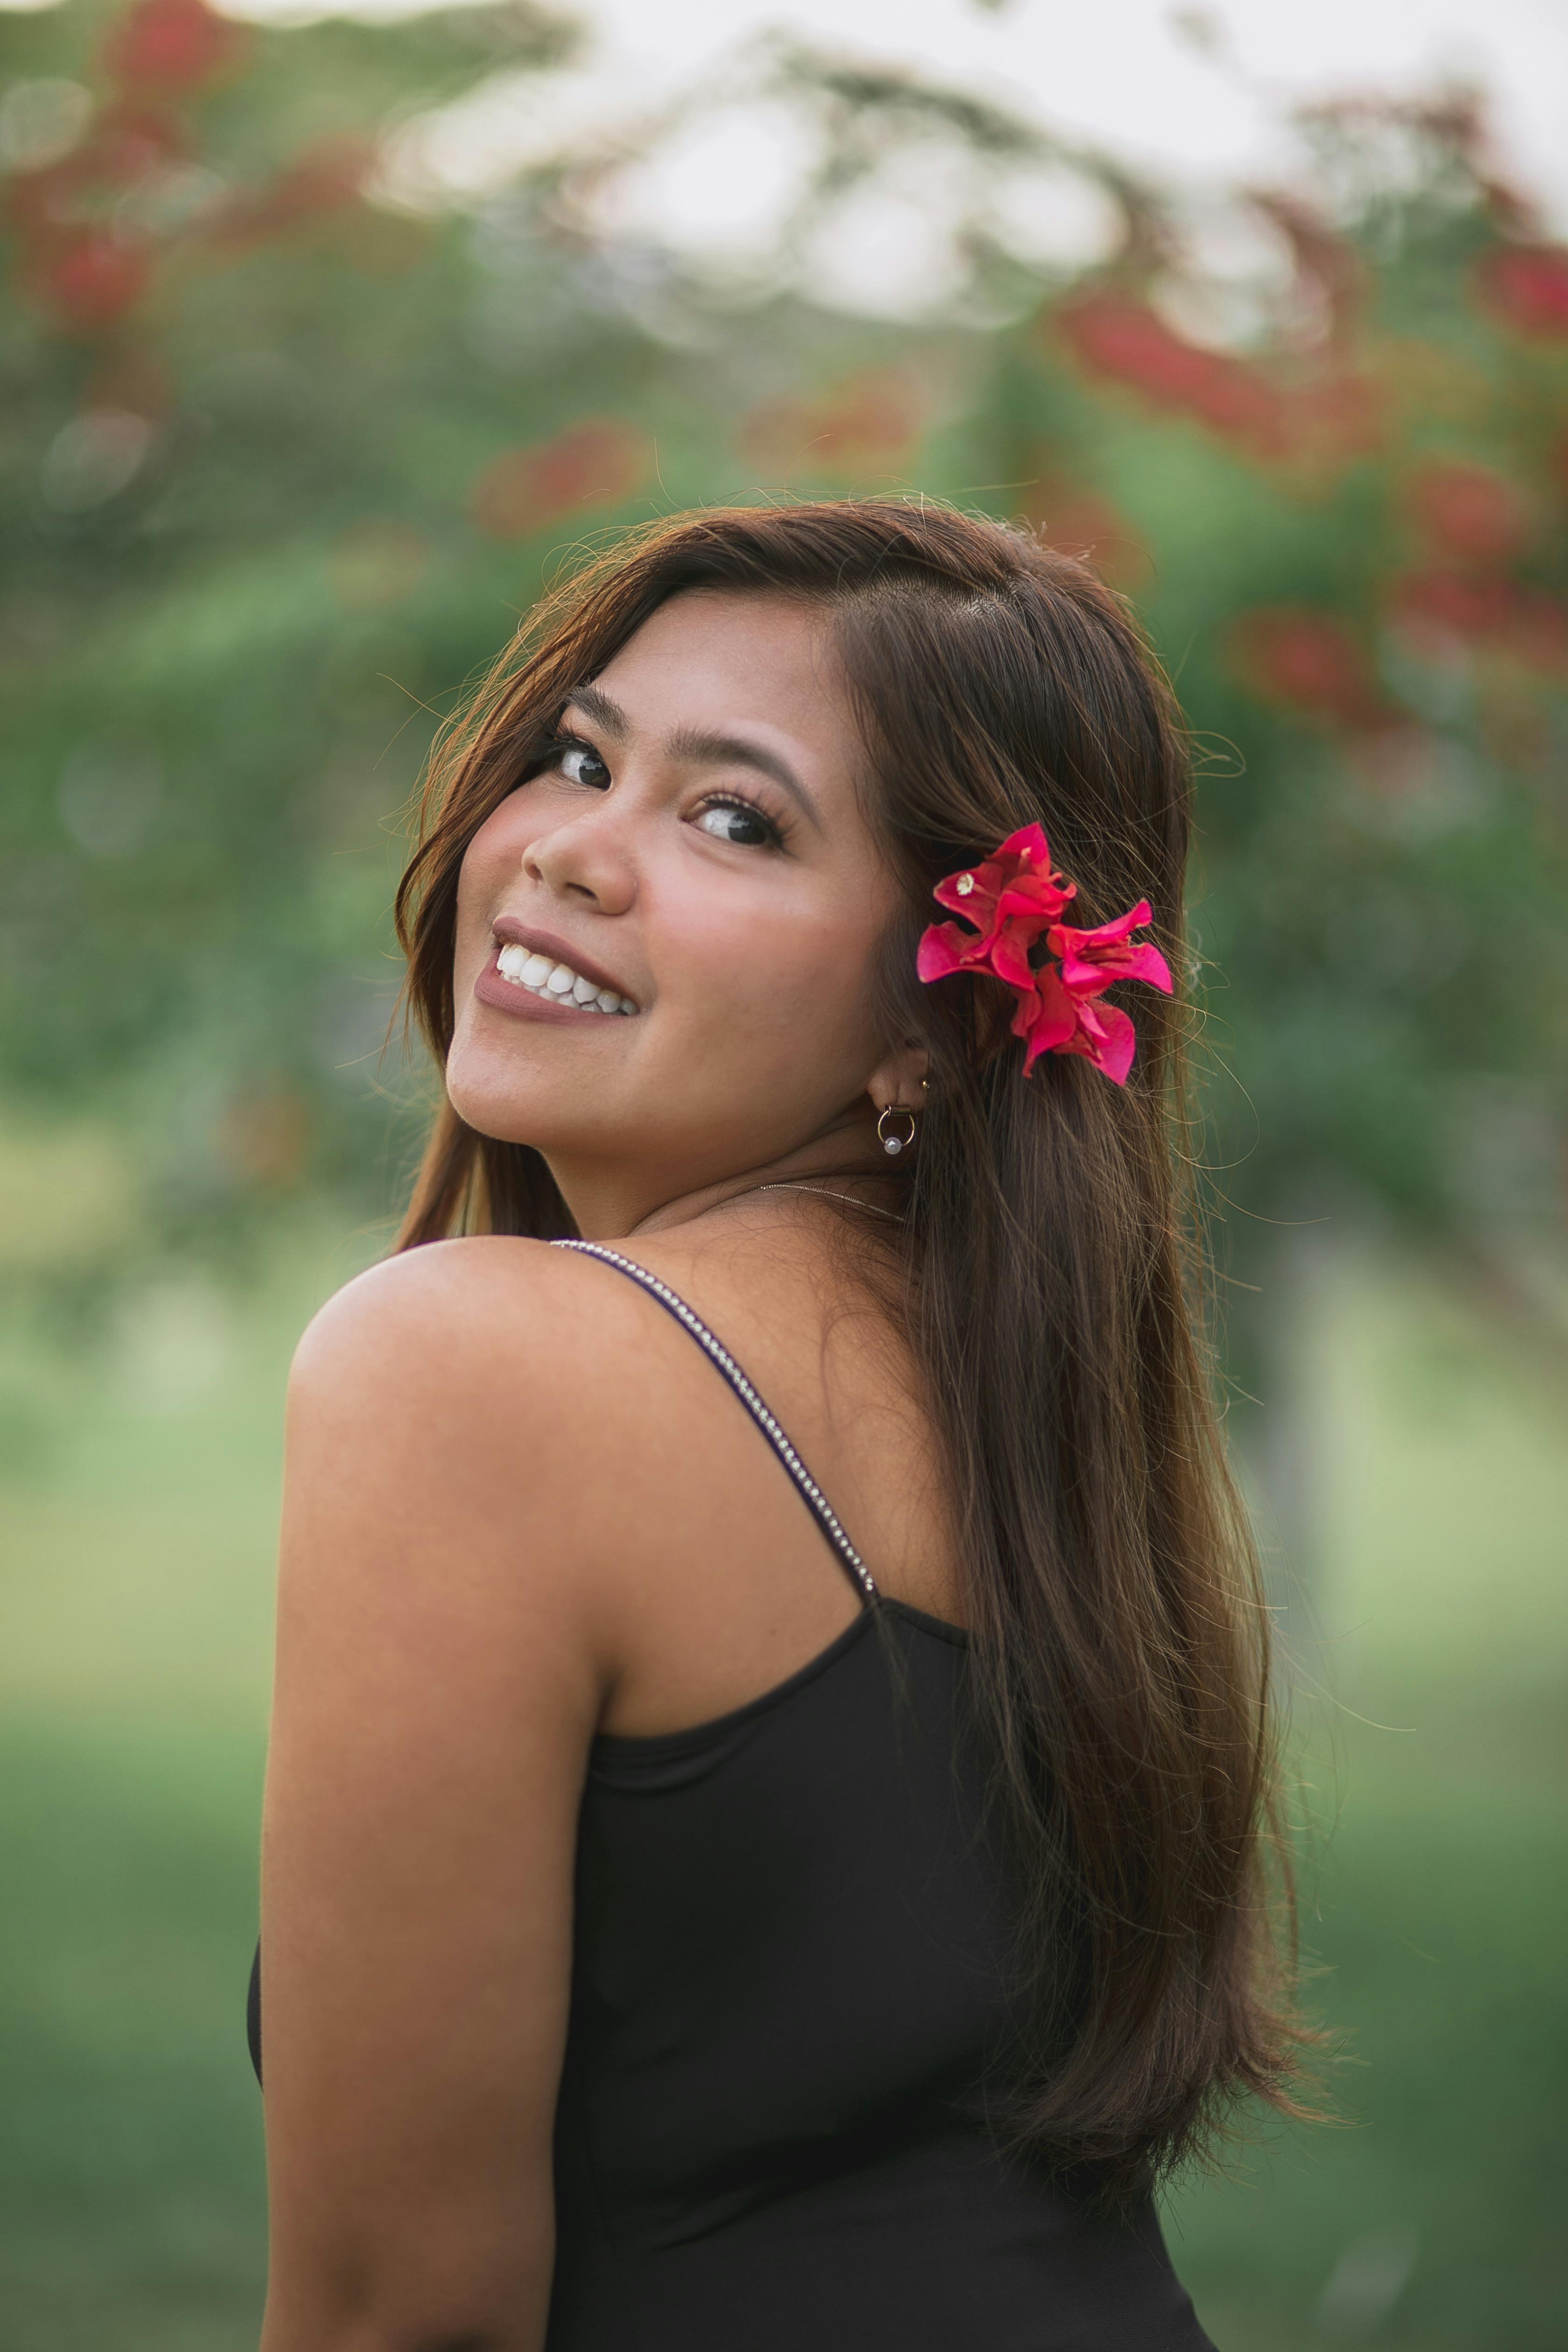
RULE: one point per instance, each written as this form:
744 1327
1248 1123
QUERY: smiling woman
691 844
692 1921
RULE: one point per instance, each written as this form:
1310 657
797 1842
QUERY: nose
585 860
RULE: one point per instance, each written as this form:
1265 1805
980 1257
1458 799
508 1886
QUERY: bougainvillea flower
1013 899
1062 1015
1010 897
1091 961
1056 1018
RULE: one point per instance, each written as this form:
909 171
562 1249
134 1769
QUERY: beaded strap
811 1493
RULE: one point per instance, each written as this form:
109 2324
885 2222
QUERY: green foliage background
285 456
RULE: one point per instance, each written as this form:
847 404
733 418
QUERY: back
786 1998
789 1992
790 1998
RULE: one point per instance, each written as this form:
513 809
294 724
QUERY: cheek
775 973
490 864
497 844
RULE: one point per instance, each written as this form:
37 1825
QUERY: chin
495 1103
513 1106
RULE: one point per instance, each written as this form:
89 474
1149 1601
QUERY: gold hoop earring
894 1144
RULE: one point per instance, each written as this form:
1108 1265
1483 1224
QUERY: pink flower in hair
1091 961
1013 898
1063 1016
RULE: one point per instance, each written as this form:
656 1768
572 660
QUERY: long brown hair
1119 1640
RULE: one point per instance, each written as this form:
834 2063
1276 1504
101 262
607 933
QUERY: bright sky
1118 70
1196 91
1121 70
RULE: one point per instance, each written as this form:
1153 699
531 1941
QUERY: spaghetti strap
810 1492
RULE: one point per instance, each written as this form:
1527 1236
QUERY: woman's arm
440 1671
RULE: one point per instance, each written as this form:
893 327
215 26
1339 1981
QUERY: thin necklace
823 1194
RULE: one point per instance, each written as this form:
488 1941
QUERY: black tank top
789 1998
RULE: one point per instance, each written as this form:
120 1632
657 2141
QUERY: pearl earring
894 1144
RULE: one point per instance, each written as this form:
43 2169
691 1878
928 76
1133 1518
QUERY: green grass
130 2175
136 1525
1443 1921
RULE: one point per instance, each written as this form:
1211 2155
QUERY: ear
899 1078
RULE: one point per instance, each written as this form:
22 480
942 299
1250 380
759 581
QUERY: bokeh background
328 340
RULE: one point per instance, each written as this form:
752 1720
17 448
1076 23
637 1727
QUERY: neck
611 1204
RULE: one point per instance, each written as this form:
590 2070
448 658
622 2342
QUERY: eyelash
778 831
778 834
553 753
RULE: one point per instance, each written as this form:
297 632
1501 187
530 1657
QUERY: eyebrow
700 744
598 707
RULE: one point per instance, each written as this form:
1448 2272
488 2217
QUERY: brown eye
580 765
732 820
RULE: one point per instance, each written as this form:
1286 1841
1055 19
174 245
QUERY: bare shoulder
459 1417
445 1647
450 1310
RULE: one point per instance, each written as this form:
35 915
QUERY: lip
510 933
506 996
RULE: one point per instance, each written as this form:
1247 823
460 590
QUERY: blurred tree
290 447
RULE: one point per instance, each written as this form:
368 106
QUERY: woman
692 1920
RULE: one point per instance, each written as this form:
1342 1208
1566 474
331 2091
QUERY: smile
542 975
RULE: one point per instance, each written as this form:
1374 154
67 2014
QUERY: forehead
712 658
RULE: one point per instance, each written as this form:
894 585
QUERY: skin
520 1507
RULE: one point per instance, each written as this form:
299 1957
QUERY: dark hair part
1120 1642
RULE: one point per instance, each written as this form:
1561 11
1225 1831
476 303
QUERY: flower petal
945 948
1113 933
972 893
1092 960
1047 1018
1147 964
1006 902
1040 896
1029 845
1109 1045
1009 956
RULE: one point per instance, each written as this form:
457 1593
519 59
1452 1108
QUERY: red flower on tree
1125 339
92 279
1324 417
1469 514
871 420
169 45
597 463
1525 286
1312 663
1497 615
77 258
325 179
1012 899
1079 522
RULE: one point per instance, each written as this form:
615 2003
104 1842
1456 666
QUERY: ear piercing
894 1144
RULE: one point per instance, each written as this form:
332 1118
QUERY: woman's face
666 939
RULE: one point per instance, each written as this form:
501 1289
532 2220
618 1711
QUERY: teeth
543 976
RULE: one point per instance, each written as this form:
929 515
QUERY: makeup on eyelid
775 829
